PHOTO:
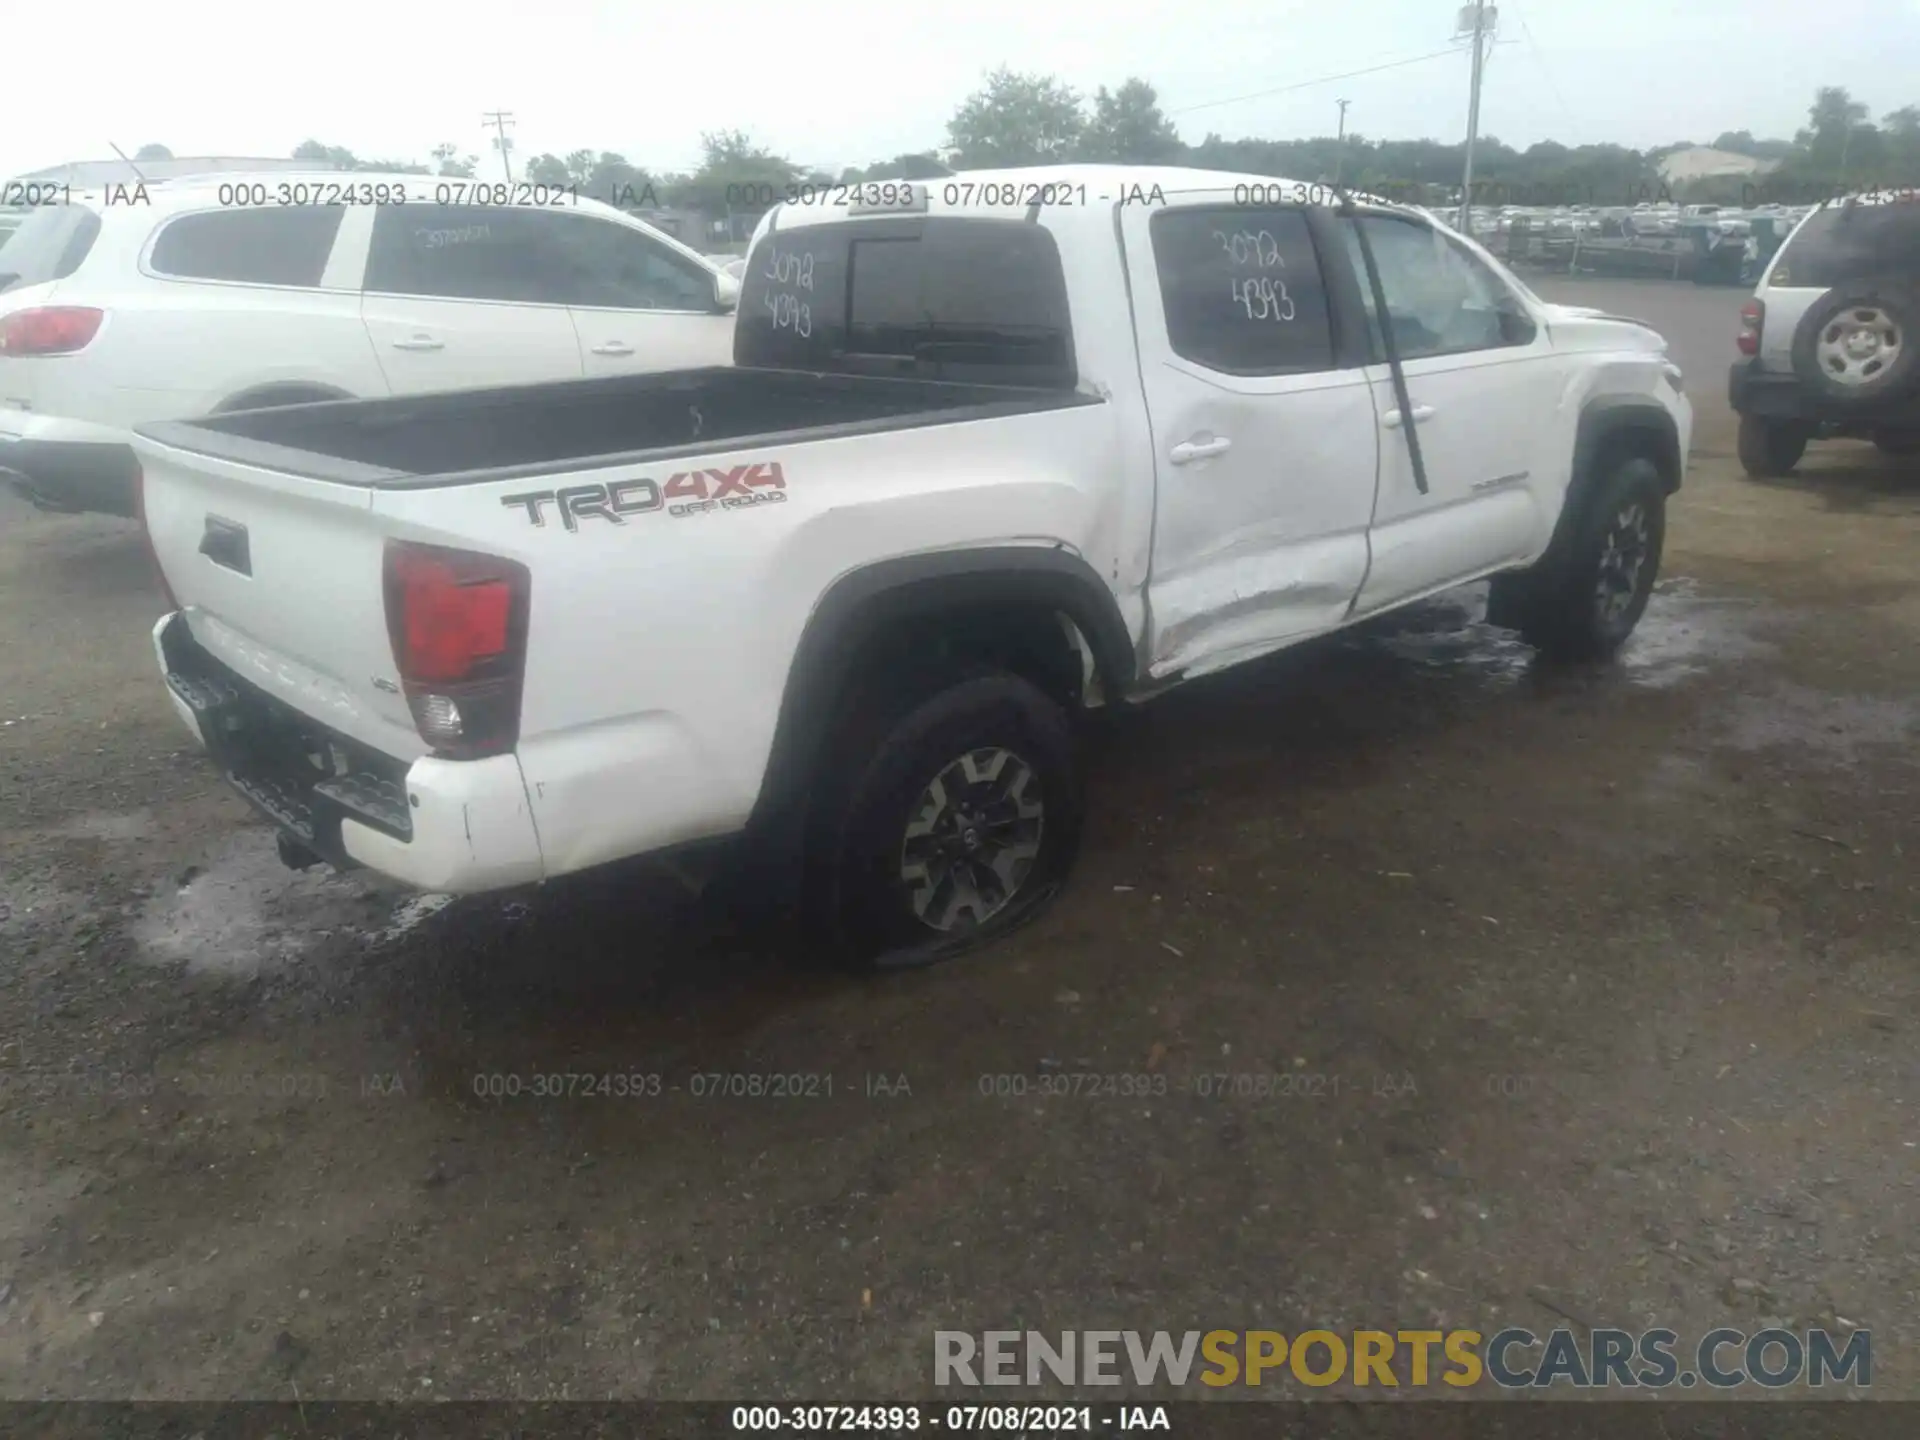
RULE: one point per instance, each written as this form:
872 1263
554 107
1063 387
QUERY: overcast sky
832 83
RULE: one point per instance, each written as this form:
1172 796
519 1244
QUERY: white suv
234 292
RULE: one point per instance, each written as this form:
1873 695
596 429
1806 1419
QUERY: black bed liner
469 436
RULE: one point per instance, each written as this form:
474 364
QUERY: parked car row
117 310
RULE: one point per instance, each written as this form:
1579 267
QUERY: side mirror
726 292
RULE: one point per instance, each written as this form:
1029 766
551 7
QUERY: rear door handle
1392 418
420 342
1189 450
613 347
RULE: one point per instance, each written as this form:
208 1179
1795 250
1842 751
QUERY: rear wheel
1585 598
955 825
1770 449
1856 346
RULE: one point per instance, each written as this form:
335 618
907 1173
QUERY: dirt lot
1595 991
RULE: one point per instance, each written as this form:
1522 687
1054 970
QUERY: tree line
1017 120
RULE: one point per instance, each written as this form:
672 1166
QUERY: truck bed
467 436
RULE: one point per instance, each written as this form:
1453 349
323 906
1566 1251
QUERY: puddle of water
409 914
1836 728
246 912
1450 632
1684 633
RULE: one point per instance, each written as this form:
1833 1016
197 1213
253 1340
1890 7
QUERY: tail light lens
49 330
146 535
458 624
1753 315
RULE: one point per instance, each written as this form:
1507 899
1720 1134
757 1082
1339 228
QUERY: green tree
921 165
616 180
548 170
332 156
153 152
1015 120
736 177
1128 128
447 160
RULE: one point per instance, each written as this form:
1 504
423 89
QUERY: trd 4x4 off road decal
690 492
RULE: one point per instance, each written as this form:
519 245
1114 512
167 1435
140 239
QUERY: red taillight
1753 315
458 624
49 330
146 534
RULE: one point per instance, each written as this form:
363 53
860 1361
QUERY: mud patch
1835 729
245 912
109 827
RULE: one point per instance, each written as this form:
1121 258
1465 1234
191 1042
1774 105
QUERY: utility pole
1340 146
500 120
1479 26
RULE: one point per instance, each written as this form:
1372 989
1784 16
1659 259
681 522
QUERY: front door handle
420 342
1190 450
1392 418
613 347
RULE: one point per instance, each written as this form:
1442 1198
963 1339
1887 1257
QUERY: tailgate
280 579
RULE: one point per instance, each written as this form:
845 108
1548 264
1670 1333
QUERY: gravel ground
1591 997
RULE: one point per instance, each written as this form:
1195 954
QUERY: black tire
1770 449
1898 442
1562 607
990 724
1883 314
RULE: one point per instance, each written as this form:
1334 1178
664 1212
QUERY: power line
1540 59
1308 84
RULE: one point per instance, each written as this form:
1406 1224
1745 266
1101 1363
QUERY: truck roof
1013 191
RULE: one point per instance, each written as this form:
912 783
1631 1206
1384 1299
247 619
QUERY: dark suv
1830 341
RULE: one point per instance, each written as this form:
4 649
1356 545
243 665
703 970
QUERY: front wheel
957 826
1769 449
1584 601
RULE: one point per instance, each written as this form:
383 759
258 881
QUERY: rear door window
283 245
1842 244
941 297
470 252
1242 290
50 243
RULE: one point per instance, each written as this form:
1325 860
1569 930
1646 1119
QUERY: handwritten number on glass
1252 247
1264 298
788 309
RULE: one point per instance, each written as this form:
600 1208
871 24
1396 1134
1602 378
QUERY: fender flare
1606 417
863 602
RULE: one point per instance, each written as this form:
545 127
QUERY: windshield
49 244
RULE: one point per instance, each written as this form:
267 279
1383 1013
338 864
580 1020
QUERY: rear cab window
1242 289
50 243
1841 244
283 245
937 297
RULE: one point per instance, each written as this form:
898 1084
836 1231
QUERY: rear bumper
1777 395
448 826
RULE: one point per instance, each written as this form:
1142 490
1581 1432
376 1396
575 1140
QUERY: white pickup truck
995 450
